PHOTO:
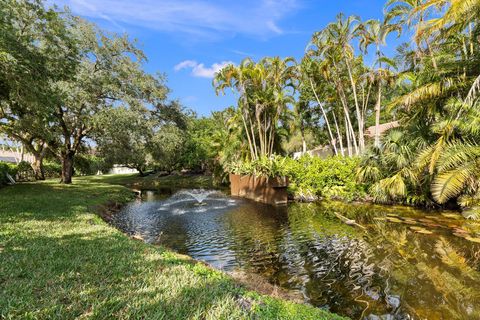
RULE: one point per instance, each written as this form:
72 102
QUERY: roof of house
15 157
8 159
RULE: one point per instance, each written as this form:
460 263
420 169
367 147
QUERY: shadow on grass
87 274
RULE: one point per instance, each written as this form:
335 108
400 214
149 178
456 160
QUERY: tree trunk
377 116
304 143
39 152
343 99
339 134
325 117
37 167
250 144
360 121
67 167
349 143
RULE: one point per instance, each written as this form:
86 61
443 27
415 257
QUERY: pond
399 263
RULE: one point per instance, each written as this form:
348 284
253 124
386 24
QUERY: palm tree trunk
324 116
378 105
349 143
260 131
250 145
339 134
360 120
272 139
253 137
343 99
377 116
304 143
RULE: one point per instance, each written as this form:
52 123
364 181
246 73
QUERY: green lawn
59 260
153 181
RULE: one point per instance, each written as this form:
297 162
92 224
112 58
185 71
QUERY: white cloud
196 18
185 64
199 69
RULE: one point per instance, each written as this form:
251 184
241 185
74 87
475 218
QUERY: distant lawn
59 260
153 181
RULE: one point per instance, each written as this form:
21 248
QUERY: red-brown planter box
261 189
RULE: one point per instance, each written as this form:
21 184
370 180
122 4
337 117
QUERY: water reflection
406 264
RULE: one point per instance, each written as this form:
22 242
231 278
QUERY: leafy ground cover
59 260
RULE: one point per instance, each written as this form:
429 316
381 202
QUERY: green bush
273 166
88 164
310 177
52 170
25 171
333 177
5 168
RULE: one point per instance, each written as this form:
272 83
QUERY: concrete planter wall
261 189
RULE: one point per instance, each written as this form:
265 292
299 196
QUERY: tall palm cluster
433 158
347 91
345 84
265 90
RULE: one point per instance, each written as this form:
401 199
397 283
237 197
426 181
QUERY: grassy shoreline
60 260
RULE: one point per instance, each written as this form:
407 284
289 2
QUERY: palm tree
332 49
306 68
457 165
341 33
234 77
266 89
376 32
409 13
456 16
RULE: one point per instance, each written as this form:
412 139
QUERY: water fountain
198 194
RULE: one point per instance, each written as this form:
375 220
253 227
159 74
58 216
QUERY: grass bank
59 260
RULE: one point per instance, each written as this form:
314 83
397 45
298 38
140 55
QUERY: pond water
400 263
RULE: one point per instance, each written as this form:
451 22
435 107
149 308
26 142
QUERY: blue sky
190 39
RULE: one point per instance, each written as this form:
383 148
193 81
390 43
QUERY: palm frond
473 92
449 184
428 91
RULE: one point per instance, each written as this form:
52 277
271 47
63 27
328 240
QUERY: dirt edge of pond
255 282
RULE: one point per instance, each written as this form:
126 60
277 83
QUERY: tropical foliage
433 158
266 89
310 178
69 88
429 91
313 178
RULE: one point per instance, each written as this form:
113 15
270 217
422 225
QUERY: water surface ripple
408 264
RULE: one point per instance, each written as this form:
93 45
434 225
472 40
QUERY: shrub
25 171
310 177
88 164
5 168
52 170
332 177
273 166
